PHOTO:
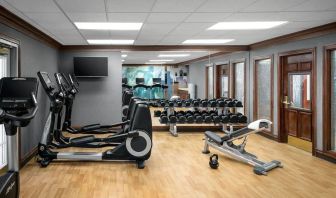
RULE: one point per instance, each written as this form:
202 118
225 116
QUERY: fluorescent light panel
249 25
122 60
124 55
207 41
173 55
107 26
161 60
155 63
110 42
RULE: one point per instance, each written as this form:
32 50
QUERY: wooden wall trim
296 36
326 156
11 20
327 101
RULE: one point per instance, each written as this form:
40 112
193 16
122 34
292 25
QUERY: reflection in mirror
300 90
225 86
239 84
210 83
263 75
333 100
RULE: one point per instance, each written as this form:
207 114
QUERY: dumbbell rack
173 126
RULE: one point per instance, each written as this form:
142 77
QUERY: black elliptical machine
18 107
71 88
133 145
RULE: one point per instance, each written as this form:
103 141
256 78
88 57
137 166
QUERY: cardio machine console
18 94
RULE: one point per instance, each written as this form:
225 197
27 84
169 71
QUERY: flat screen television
90 66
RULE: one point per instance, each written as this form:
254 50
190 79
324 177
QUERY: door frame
232 80
218 79
255 91
282 135
327 101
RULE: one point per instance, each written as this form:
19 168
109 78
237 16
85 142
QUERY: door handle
286 102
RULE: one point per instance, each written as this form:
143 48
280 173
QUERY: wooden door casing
300 61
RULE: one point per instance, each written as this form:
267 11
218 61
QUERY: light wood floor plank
177 168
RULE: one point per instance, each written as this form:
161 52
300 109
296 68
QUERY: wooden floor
177 168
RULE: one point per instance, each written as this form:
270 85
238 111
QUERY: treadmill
18 106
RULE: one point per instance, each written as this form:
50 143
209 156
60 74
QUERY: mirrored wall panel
333 100
263 89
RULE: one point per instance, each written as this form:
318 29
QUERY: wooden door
222 81
297 99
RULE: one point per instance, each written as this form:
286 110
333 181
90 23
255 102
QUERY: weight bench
225 144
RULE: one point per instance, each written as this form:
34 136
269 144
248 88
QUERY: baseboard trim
28 157
269 136
326 156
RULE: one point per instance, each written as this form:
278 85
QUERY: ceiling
170 22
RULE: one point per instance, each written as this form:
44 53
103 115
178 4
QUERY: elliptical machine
18 107
134 145
71 88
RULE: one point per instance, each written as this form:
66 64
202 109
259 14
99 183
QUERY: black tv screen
90 66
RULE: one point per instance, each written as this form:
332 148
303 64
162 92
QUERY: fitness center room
167 98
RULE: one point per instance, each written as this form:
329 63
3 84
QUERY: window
3 144
225 86
239 83
263 75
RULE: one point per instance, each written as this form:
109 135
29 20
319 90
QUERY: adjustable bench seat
219 140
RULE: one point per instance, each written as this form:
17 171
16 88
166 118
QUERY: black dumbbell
225 119
171 103
213 103
195 103
204 103
163 118
238 103
197 117
234 118
172 119
241 118
187 103
157 113
206 117
216 119
220 103
178 103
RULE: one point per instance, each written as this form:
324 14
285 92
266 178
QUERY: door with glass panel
297 100
238 69
222 81
4 70
263 89
209 82
329 95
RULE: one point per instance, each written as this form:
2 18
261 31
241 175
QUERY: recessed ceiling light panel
249 25
207 41
110 42
173 55
107 26
124 55
161 60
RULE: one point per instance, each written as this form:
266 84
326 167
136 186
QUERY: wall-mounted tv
90 66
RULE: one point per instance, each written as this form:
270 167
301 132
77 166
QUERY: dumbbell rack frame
173 126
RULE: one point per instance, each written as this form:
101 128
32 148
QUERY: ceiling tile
127 17
224 5
34 5
252 16
272 5
129 5
314 5
51 21
307 16
157 29
176 5
190 28
82 5
207 17
166 17
87 17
